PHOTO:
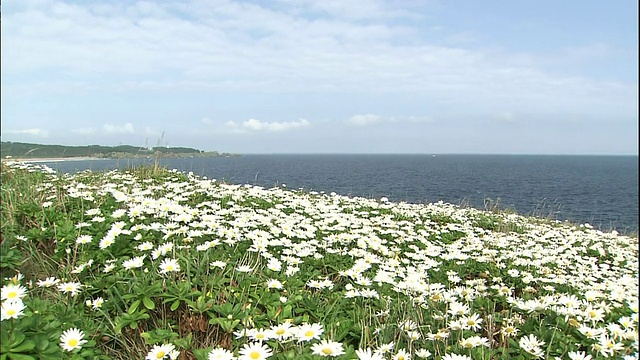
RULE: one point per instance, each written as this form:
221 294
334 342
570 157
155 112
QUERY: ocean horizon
601 190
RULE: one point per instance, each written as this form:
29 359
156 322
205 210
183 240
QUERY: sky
323 76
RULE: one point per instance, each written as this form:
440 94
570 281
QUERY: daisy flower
260 335
367 354
218 264
282 331
106 241
169 265
108 268
402 355
579 355
72 288
471 322
118 213
147 245
327 348
72 339
456 357
92 212
532 345
136 262
13 292
11 309
97 303
158 352
84 239
308 332
244 268
274 284
274 265
509 330
255 351
220 354
385 348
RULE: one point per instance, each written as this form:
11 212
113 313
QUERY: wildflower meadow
152 263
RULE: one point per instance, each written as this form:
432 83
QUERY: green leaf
148 303
175 305
27 345
18 338
21 357
201 354
134 306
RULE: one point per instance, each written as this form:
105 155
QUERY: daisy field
152 263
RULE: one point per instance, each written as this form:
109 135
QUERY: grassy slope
370 273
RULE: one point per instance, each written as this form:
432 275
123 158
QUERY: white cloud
257 125
33 132
506 117
288 45
367 119
124 129
355 57
84 131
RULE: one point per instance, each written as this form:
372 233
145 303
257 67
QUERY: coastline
53 159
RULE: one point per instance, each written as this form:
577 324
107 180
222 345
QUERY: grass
152 263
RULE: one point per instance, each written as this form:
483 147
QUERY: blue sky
332 76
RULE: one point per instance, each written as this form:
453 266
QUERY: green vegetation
156 264
19 150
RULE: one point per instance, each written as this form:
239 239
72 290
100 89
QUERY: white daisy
158 352
11 309
13 292
72 339
169 265
255 351
327 348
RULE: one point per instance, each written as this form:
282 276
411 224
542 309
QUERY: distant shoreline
53 159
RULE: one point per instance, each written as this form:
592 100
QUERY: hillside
35 151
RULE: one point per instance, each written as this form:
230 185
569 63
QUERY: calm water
600 190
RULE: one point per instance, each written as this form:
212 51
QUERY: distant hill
35 151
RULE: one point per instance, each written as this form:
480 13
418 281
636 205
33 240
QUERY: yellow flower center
73 342
327 351
401 357
160 355
169 268
592 314
279 331
260 336
471 322
308 333
255 355
12 294
11 312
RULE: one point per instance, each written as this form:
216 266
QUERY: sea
599 190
